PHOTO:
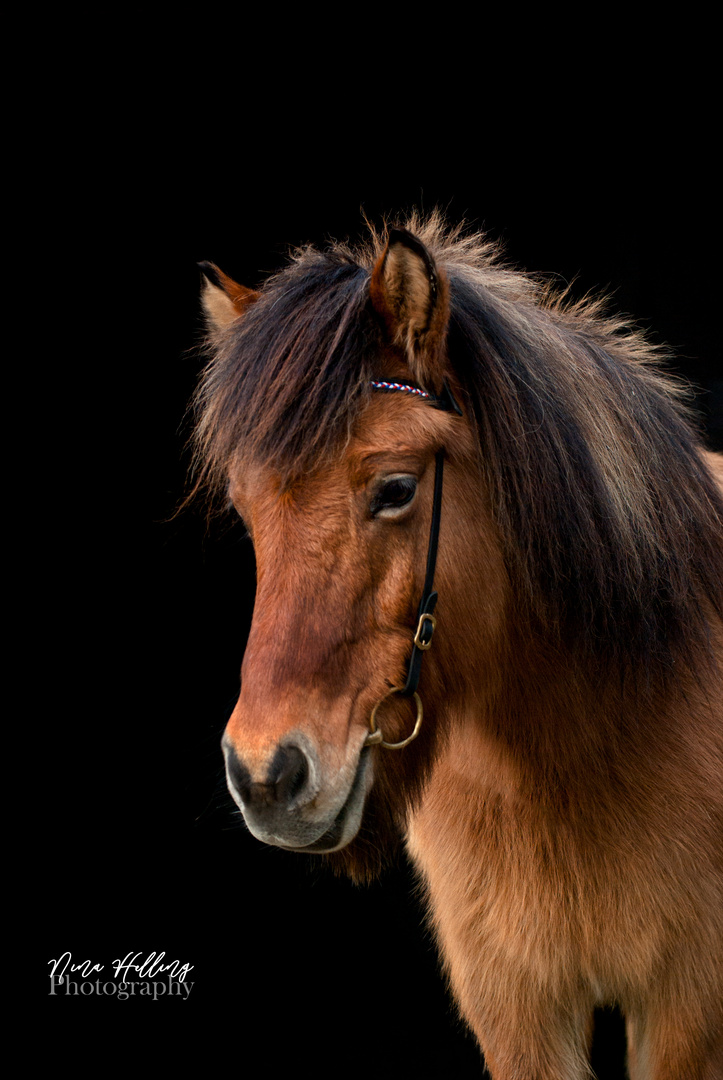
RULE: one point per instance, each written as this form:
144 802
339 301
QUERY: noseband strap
426 622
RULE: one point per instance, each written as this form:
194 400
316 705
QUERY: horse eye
393 494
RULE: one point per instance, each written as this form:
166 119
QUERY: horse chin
345 825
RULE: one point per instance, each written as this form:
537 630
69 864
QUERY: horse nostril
289 773
287 777
238 775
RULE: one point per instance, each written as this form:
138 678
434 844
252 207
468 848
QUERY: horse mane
610 518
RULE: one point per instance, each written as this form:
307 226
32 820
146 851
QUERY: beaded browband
445 401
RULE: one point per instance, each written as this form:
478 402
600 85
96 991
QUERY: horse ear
411 295
222 298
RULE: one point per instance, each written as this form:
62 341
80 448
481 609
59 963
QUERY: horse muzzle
287 802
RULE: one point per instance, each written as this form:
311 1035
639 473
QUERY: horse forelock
287 382
609 519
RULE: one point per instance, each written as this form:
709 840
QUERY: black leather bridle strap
425 620
425 617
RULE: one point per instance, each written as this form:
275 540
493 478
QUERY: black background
145 612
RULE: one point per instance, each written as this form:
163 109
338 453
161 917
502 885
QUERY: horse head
343 545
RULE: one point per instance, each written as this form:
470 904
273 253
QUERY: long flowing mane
609 520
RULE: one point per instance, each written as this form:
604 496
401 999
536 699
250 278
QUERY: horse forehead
291 511
393 419
391 424
259 482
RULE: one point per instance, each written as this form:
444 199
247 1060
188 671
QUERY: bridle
426 622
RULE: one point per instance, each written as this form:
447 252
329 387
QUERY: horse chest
509 890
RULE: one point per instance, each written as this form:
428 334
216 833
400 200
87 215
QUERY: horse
489 621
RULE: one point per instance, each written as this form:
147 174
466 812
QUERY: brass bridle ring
374 738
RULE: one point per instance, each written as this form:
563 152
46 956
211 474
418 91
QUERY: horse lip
331 839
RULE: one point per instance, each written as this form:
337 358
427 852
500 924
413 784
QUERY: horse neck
549 723
556 714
